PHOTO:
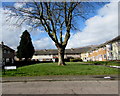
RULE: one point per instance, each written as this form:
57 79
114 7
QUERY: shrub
67 60
24 63
71 60
100 62
56 59
76 60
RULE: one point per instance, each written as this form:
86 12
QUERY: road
61 87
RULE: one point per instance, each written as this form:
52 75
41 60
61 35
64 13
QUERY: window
8 52
118 43
97 57
111 54
7 59
104 48
118 52
5 51
105 56
110 47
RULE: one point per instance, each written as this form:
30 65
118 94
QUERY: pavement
60 78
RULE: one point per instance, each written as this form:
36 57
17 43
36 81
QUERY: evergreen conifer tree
25 49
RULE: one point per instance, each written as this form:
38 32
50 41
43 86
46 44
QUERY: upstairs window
5 51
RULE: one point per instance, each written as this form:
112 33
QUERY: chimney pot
2 43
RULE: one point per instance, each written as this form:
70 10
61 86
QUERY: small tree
25 49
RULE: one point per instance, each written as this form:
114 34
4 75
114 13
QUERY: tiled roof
110 41
67 51
6 47
102 45
113 40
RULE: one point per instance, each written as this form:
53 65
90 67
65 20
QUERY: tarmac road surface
61 87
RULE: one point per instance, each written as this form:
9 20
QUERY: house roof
113 40
110 41
6 47
102 45
67 51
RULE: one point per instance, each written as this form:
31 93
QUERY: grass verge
72 68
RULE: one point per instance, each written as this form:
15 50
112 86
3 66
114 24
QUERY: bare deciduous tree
56 18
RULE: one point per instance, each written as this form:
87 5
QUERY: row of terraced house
52 54
109 50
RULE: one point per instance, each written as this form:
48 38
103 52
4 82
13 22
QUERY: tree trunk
61 56
20 59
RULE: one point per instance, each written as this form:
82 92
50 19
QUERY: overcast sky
98 29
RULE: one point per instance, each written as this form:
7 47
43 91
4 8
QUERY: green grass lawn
114 63
72 68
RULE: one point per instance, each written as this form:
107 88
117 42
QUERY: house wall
42 57
0 56
113 50
8 56
84 56
109 52
52 57
99 54
119 50
72 55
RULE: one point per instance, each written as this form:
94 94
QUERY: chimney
45 49
2 43
72 49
